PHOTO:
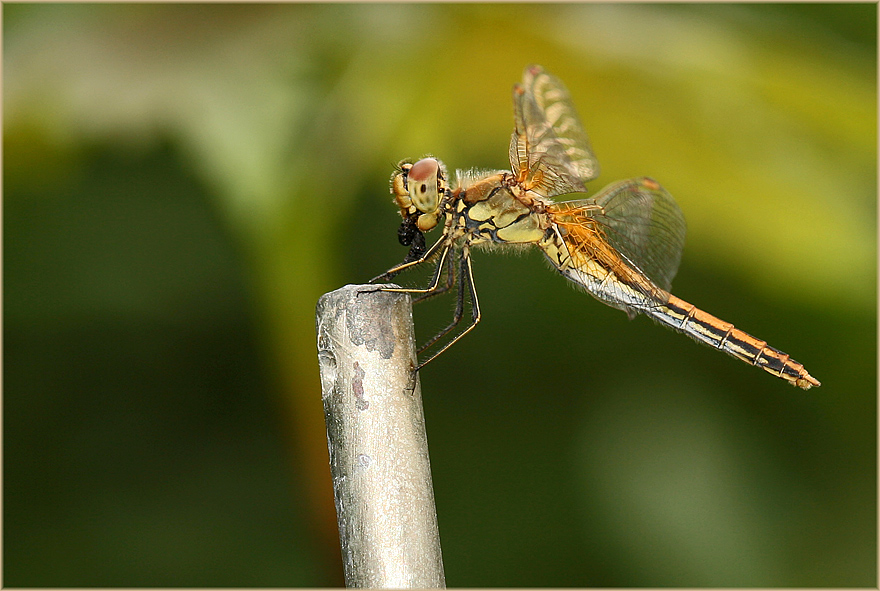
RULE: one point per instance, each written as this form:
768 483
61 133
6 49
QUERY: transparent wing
550 152
637 218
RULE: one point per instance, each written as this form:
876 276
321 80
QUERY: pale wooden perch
376 435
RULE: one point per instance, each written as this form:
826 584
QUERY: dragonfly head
418 189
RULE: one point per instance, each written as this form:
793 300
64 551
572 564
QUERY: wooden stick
376 435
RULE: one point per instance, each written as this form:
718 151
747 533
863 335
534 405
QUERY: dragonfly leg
406 264
435 280
456 317
443 244
450 280
466 275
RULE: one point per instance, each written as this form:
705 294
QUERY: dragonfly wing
550 152
637 218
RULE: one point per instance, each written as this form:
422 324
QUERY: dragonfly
623 245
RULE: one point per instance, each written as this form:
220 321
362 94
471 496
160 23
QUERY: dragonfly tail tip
807 381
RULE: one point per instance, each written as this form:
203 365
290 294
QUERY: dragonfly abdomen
705 328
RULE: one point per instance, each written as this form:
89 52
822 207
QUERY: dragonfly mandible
623 245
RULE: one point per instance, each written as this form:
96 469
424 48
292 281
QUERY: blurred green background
182 182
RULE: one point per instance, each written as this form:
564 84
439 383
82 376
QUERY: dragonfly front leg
406 264
435 280
450 280
465 276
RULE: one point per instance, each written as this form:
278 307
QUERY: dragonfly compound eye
423 182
